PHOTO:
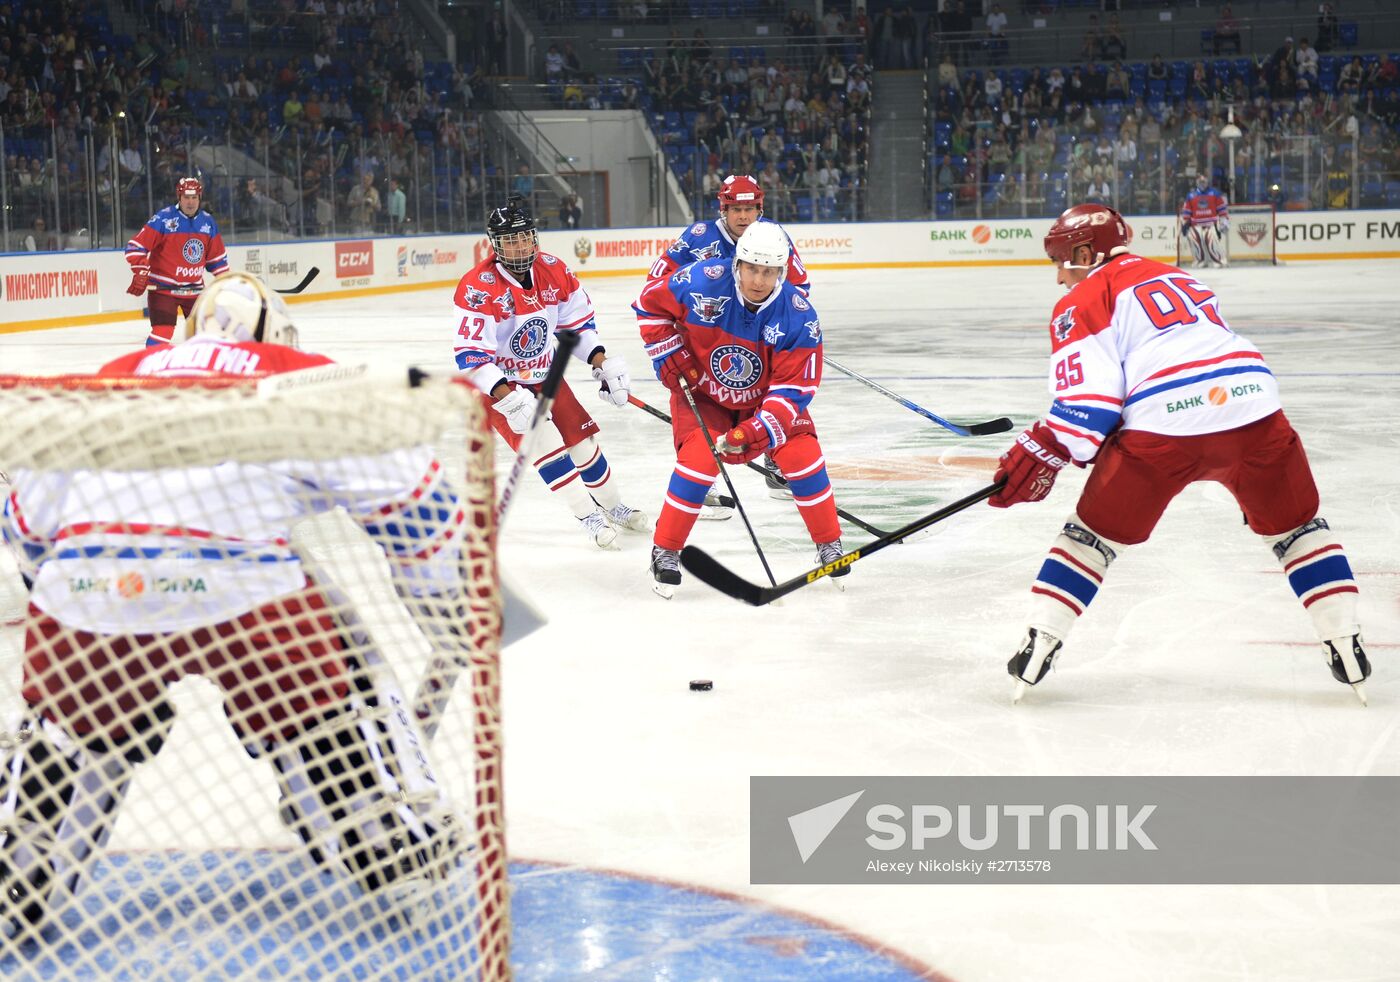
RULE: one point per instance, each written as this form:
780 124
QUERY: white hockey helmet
240 307
763 244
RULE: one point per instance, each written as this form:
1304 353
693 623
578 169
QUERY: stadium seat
1348 34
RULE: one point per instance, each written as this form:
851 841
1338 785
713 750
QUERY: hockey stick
714 452
707 569
760 469
311 274
549 388
999 425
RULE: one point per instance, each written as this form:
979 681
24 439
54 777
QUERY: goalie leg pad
1194 241
1316 565
1211 239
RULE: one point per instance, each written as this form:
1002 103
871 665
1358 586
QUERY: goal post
250 713
1250 238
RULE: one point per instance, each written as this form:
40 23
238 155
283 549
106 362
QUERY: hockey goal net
251 702
1249 239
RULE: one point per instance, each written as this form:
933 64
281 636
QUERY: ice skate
598 529
777 484
1348 662
1029 665
665 571
631 519
829 552
716 507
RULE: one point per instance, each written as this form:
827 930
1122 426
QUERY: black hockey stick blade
311 274
707 569
991 426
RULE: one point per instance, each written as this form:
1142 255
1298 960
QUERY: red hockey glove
1029 467
751 438
139 279
675 365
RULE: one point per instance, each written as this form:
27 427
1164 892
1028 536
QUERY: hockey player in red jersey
170 254
1151 386
1205 218
508 309
740 205
246 609
749 346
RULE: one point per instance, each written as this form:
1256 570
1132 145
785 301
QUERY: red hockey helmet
189 185
1097 226
740 189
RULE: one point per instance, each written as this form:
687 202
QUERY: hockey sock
1070 577
1317 570
694 473
801 461
557 470
160 334
597 475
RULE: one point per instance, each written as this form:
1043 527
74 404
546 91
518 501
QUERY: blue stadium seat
1348 34
943 204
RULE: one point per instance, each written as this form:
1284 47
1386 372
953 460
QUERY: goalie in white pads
1152 387
1205 219
202 559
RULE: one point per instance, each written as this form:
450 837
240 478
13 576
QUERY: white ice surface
1195 658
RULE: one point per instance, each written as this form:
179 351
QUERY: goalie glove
614 384
1029 467
518 407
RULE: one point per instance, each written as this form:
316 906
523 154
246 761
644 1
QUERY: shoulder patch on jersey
206 228
708 309
171 224
475 298
488 277
549 294
548 259
683 276
1063 324
814 328
193 251
698 228
678 247
506 301
773 333
734 366
799 304
713 272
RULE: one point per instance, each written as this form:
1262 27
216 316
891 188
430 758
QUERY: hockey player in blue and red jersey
508 309
749 346
1205 218
740 205
170 255
1152 387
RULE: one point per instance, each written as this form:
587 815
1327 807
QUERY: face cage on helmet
516 266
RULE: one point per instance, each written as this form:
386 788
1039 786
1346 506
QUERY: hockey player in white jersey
508 309
1153 389
203 559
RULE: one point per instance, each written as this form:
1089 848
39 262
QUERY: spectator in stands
364 203
39 238
570 214
293 110
1092 44
836 75
947 177
322 61
1227 32
1349 81
1306 59
523 183
1113 44
833 27
886 43
1098 193
906 30
1116 82
243 89
992 89
996 34
1326 27
1199 85
554 64
1157 69
396 207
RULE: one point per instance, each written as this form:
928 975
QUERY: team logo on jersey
193 251
1063 325
531 339
698 228
772 334
506 301
735 367
708 309
814 328
475 298
549 294
682 277
708 252
488 278
799 304
677 247
532 301
206 228
713 272
171 224
548 259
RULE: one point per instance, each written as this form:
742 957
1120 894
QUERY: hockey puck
701 685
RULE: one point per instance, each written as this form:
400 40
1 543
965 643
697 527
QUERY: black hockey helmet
513 225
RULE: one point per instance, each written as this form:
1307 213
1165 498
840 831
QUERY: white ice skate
1347 659
1031 663
598 529
631 519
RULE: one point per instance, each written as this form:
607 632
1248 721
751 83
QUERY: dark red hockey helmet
1097 226
189 185
740 189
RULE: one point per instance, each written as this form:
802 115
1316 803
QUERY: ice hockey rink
627 793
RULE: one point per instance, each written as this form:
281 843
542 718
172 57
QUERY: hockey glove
614 384
139 279
675 365
757 434
518 407
1029 467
